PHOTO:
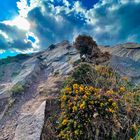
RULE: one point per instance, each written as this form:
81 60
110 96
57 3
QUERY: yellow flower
122 89
87 93
68 90
109 92
110 100
85 97
76 132
70 104
96 89
61 134
74 109
76 91
62 113
63 98
62 105
101 104
91 89
97 68
64 122
130 138
134 127
82 106
75 98
95 94
98 96
92 102
81 88
86 88
75 124
111 110
75 86
114 104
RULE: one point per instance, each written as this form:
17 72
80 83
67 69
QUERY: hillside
126 60
39 76
34 74
129 50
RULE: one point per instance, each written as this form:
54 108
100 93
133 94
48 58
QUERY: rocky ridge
41 75
36 73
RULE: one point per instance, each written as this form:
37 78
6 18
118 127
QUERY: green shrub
81 74
96 103
98 76
17 89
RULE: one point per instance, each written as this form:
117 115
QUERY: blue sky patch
32 39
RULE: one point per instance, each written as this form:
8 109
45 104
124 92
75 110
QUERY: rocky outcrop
127 50
30 125
126 67
34 75
125 60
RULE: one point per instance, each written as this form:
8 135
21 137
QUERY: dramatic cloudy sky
31 25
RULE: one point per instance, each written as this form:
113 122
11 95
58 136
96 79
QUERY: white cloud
19 22
2 51
4 35
23 8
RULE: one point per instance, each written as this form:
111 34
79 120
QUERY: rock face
30 125
126 60
34 74
127 50
126 67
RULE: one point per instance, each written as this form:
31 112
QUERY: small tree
86 46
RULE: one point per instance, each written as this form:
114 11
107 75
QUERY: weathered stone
30 125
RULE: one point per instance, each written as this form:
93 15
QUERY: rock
30 125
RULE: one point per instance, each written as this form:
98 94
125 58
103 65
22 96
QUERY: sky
28 26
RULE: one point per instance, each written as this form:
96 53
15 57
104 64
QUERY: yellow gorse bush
97 99
79 103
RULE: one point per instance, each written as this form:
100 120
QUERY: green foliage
16 58
81 74
101 105
17 89
99 76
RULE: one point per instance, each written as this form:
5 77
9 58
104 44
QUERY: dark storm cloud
15 38
118 22
3 43
115 21
129 21
51 27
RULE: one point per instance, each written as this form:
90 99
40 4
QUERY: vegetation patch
16 58
17 89
101 106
